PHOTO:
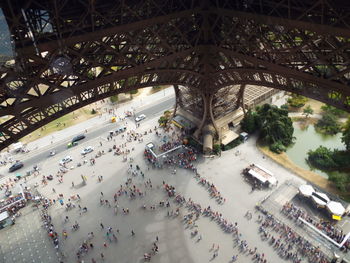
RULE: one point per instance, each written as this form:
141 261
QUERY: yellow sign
113 119
177 124
336 217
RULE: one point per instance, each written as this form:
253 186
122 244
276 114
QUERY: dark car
78 138
15 166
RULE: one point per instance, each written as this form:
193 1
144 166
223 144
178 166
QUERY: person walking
102 226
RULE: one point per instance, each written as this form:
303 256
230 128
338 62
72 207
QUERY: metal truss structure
70 53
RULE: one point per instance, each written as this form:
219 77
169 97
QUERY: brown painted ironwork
70 53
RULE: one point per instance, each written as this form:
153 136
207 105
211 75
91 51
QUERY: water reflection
308 139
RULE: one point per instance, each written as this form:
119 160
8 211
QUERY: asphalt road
150 112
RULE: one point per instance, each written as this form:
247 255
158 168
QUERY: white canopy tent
263 178
336 208
306 190
320 199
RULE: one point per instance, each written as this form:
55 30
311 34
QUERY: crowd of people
47 222
195 211
284 240
213 191
184 157
288 244
294 212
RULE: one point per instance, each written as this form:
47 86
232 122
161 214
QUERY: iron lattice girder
202 45
69 18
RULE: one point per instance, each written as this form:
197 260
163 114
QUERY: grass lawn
63 122
156 89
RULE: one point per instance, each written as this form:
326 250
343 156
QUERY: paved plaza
176 239
26 241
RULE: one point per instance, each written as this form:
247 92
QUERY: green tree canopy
297 101
249 122
328 124
333 110
307 111
275 126
277 129
346 135
321 158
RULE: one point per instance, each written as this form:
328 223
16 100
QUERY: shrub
156 88
113 98
277 147
93 111
297 101
195 144
217 149
232 144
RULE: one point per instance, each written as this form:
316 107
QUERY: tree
113 98
328 124
322 158
248 123
308 111
276 126
333 110
273 122
285 106
297 101
164 119
346 135
341 180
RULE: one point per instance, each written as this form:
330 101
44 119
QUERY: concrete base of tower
208 135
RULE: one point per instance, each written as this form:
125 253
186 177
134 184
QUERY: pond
308 139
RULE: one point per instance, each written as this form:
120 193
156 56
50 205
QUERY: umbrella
306 190
320 199
335 208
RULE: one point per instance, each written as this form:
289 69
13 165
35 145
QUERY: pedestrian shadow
78 186
212 258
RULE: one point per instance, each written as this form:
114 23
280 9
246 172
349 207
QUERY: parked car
65 160
15 166
140 117
78 138
120 130
87 150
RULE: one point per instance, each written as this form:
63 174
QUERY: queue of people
288 244
294 212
